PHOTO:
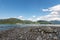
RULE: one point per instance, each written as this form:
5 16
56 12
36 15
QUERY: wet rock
47 29
50 36
39 38
55 38
34 33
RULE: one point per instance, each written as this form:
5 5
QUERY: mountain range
15 20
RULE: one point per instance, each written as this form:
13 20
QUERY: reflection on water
8 26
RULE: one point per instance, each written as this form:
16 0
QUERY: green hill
15 20
10 21
44 22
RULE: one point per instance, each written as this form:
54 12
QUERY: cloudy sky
30 9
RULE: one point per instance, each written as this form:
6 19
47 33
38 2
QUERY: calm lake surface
8 26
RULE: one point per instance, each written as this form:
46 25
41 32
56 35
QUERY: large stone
47 29
55 38
39 38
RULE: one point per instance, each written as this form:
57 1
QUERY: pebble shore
31 33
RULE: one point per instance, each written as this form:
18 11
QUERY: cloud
45 10
53 15
33 18
21 17
54 8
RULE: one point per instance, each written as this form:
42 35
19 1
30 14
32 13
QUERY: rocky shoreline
31 33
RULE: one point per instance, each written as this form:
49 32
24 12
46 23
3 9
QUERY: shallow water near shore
7 26
29 32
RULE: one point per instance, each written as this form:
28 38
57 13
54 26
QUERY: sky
30 9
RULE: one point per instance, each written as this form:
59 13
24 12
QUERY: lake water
8 26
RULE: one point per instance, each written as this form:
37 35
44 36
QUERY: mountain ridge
15 20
